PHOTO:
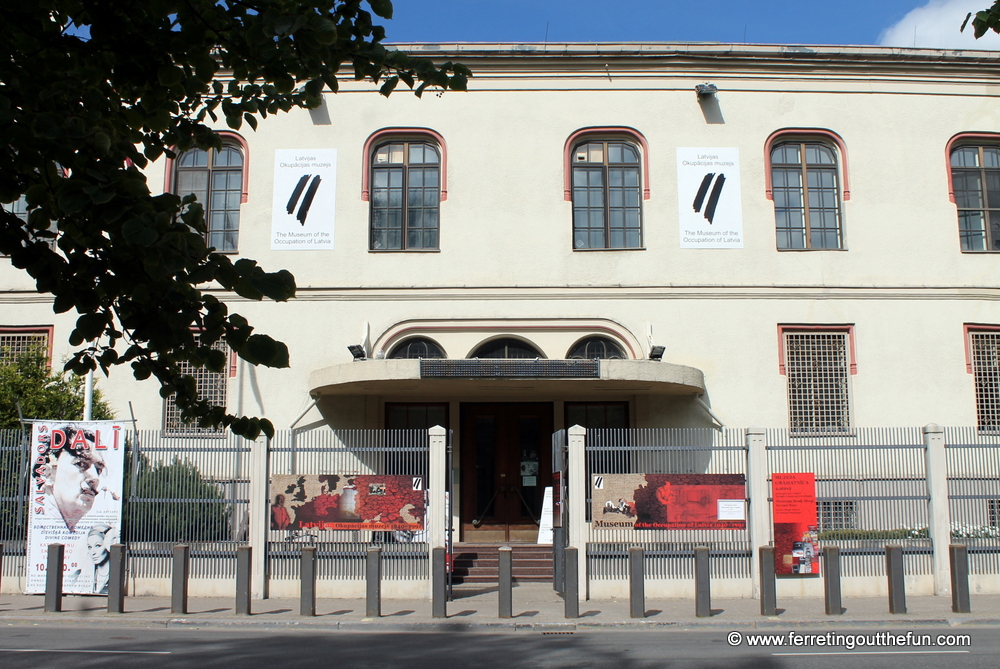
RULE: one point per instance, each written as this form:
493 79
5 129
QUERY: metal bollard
831 581
702 583
637 582
959 578
307 578
373 577
116 579
244 557
894 572
558 559
768 595
54 578
179 579
505 599
439 598
571 582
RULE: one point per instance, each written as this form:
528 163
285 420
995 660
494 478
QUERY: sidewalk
536 607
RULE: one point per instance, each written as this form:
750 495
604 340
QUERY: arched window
607 194
418 347
596 347
805 182
507 348
216 178
405 191
975 177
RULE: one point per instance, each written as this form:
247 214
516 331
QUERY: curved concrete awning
402 377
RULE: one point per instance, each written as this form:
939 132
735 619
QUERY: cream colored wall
506 238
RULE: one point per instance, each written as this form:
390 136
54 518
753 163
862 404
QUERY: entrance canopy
435 378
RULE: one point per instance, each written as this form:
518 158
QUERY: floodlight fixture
706 90
357 351
656 353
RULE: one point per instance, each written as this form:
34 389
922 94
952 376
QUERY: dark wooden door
506 451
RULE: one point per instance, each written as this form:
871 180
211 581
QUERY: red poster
347 502
669 501
796 547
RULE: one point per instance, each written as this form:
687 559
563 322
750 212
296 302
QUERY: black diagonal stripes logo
713 198
306 201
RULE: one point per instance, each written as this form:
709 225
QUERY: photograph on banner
796 542
304 199
669 501
348 502
77 472
710 206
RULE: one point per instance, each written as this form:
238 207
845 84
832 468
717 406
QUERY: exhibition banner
710 208
796 544
304 200
348 502
77 471
669 501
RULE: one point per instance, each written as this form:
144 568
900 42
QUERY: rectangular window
212 386
985 359
415 415
993 510
837 515
818 366
15 342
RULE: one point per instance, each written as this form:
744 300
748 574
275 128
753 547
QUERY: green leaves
81 117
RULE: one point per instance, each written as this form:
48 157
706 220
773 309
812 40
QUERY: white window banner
708 198
77 474
304 199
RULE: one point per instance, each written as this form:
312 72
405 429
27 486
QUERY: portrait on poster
76 500
304 201
668 501
348 502
710 207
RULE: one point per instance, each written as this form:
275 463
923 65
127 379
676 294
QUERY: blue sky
930 23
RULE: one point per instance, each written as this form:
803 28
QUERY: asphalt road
75 646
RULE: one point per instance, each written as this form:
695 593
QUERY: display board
348 502
669 501
796 545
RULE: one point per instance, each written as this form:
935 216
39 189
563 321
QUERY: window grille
837 515
212 387
986 368
817 365
13 345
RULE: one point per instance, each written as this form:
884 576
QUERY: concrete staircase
480 563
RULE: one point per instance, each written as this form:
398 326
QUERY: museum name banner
348 502
77 472
669 501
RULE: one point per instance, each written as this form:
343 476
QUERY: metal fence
974 495
192 490
871 490
13 499
346 452
669 552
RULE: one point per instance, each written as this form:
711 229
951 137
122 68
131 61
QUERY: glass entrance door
506 451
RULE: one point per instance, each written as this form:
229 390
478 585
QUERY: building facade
797 237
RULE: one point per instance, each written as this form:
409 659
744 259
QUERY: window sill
630 248
404 250
809 250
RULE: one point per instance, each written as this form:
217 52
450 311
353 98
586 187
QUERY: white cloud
936 25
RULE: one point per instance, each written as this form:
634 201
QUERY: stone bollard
897 584
307 579
373 580
637 582
768 594
116 579
702 583
54 578
505 599
181 569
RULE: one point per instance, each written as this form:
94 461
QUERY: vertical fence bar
181 568
244 570
702 583
571 595
307 577
116 579
54 578
831 581
894 572
637 582
373 579
505 599
768 596
959 555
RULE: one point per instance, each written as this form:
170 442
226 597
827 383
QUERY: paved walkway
536 607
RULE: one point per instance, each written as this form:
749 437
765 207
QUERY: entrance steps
480 563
